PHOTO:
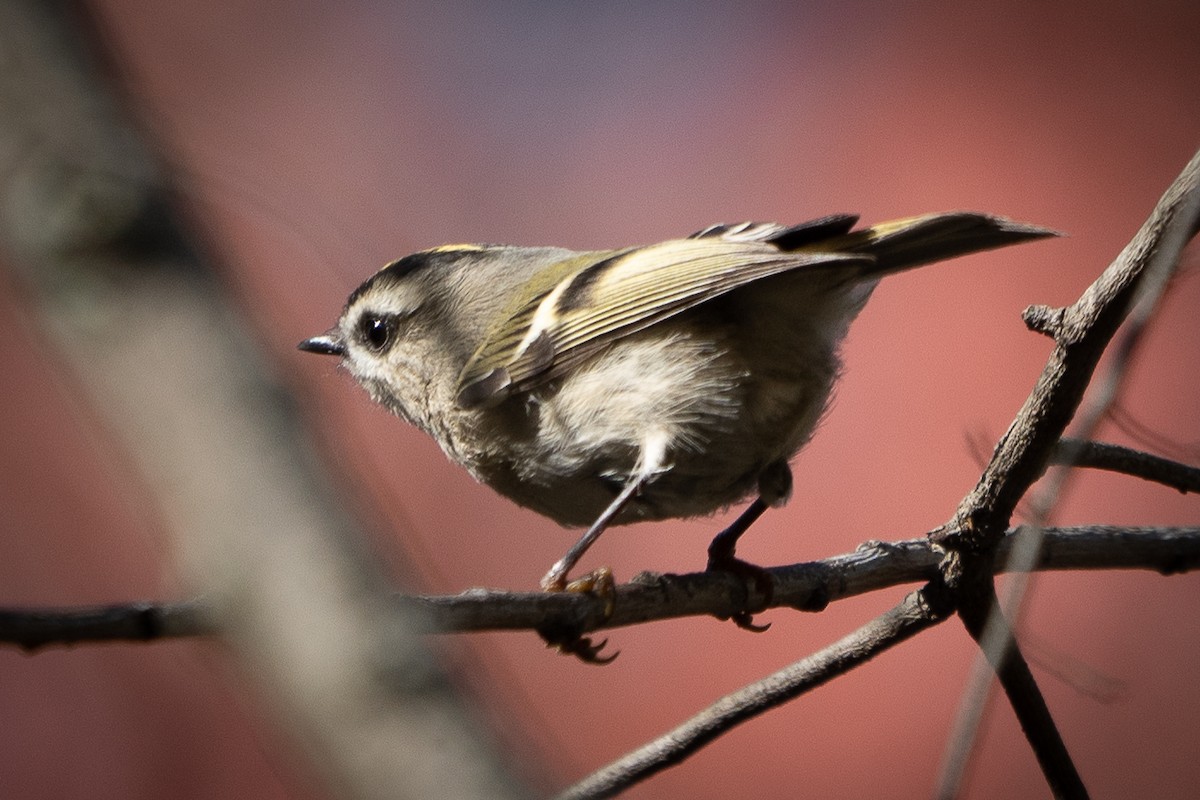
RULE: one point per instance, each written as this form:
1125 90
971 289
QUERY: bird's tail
907 243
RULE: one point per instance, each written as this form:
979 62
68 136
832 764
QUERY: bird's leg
556 579
650 464
721 558
774 486
600 581
721 549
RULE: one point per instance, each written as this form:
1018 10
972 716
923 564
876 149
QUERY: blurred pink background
322 139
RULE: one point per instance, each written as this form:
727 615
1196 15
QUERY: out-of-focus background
310 142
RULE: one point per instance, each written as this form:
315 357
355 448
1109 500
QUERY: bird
642 383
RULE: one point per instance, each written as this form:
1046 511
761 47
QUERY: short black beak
328 344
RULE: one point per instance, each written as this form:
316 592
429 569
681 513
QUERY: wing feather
607 295
615 295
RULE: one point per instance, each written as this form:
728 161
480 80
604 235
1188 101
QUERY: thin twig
914 614
133 622
1127 461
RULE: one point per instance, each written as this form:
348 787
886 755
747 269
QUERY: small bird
645 383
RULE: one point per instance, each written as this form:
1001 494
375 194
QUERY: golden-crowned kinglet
613 386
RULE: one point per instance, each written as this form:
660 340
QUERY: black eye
377 331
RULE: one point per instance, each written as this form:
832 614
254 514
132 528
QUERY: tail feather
904 244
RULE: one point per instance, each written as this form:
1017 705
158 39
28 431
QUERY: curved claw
745 621
598 582
582 648
763 583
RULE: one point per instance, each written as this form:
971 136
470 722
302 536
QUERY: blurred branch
649 597
171 372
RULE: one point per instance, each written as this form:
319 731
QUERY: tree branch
167 368
1133 282
807 586
649 597
1081 333
1127 461
918 611
33 628
1023 695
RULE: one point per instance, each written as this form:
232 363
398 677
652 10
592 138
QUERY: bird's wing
784 237
612 295
609 295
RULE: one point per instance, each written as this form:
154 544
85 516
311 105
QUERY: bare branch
1133 282
1127 461
806 586
137 622
1081 332
1009 665
914 614
649 597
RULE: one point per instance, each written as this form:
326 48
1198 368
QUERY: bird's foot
764 584
599 583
